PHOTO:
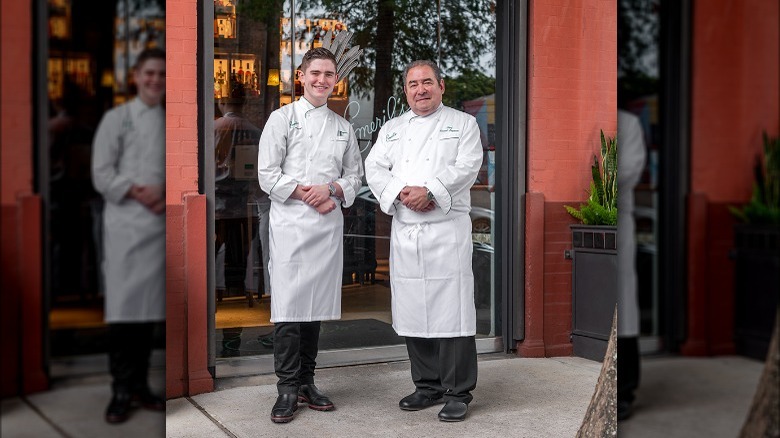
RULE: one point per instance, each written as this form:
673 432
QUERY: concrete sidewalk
514 397
684 397
74 406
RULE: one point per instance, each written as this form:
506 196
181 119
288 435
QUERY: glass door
91 48
257 47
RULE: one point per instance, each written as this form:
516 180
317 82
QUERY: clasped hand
151 197
316 196
415 198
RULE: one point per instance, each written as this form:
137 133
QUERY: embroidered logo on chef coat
393 136
448 129
341 136
294 124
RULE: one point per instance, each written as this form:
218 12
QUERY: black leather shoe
149 401
285 406
453 411
118 410
416 401
316 400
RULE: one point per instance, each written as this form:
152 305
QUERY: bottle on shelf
248 76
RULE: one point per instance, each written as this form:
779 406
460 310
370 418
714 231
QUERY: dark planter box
594 288
756 256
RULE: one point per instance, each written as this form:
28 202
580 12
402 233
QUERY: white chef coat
307 145
430 258
129 148
631 161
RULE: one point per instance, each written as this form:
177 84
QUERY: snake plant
764 205
601 208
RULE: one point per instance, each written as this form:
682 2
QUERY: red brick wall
572 83
186 278
20 259
735 89
16 105
9 304
557 280
572 80
735 84
175 304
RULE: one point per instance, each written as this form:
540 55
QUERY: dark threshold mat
358 333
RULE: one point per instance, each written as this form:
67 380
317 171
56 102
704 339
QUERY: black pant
295 354
130 347
627 368
444 366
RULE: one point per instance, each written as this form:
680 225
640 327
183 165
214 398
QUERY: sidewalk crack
219 424
45 418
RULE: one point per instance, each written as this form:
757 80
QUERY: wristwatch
429 195
332 189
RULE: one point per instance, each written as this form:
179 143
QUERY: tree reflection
394 33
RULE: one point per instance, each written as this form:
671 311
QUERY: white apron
301 144
306 262
430 253
631 162
129 148
431 279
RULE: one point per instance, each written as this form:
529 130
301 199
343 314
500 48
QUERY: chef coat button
407 161
427 159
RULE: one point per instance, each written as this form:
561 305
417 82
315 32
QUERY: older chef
309 164
631 163
128 169
421 170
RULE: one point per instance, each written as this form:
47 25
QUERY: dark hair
422 63
150 53
318 53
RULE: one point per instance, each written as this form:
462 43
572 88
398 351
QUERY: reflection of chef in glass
231 195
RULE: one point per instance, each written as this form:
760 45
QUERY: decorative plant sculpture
601 208
346 60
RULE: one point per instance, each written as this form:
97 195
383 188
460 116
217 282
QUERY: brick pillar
696 343
198 376
533 344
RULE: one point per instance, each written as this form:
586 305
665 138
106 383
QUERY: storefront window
92 46
257 48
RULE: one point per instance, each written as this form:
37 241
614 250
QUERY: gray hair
423 63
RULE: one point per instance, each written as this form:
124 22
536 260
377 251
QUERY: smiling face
150 79
318 79
423 92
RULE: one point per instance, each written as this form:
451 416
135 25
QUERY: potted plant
756 255
594 257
